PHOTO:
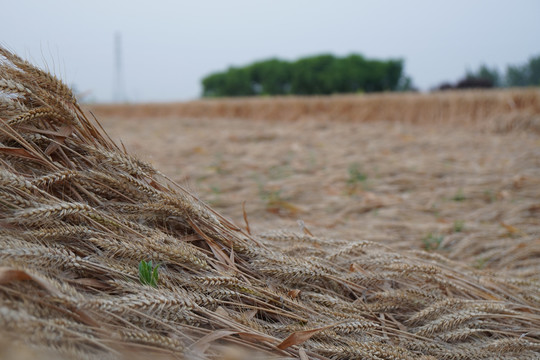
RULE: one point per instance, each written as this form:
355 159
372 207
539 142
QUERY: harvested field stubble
469 191
78 214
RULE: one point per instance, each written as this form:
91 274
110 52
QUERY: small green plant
275 202
215 190
432 241
480 263
148 274
434 209
278 172
459 225
355 174
459 196
269 196
312 162
489 196
356 178
218 165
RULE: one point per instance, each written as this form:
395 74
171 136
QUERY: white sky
168 46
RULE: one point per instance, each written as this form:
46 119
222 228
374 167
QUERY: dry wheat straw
78 214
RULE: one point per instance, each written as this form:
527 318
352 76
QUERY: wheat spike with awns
78 215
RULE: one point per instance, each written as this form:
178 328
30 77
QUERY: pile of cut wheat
78 215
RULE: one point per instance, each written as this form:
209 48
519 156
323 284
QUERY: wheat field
386 238
470 182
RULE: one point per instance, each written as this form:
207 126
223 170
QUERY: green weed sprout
148 274
432 241
355 175
357 179
459 196
459 225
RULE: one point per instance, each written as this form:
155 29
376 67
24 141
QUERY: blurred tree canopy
485 73
316 75
527 74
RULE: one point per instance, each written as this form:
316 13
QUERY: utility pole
118 91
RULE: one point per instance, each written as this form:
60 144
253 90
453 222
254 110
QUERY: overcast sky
168 46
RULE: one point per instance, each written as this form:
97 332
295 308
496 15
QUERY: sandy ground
469 194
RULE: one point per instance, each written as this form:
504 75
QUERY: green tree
486 73
527 74
534 71
312 75
271 77
315 75
516 75
234 82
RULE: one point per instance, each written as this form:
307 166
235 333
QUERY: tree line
327 74
527 74
316 75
